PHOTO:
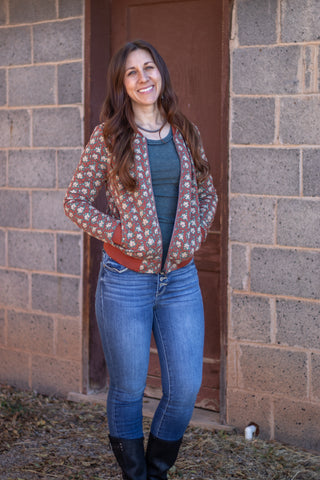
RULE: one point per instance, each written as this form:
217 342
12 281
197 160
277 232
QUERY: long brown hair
118 118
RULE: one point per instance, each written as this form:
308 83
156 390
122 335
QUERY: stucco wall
274 296
41 99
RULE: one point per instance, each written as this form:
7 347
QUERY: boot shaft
130 457
160 456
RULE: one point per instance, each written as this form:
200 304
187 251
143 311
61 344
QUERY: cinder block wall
274 319
41 113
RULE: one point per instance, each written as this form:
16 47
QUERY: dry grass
48 438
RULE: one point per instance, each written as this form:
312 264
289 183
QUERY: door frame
227 9
96 57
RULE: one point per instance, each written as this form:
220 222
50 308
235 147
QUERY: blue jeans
129 306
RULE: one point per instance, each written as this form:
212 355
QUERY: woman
160 204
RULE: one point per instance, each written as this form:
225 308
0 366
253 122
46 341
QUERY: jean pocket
113 266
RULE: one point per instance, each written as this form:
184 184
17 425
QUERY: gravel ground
50 438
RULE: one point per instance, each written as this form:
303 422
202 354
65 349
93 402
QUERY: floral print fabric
135 212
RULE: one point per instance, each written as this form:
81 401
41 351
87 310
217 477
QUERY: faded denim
129 306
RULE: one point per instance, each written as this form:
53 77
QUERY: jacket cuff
117 235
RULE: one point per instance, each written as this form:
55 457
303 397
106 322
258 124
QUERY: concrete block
2 328
69 253
67 163
265 171
54 376
300 120
29 11
14 368
273 371
70 88
298 222
70 8
310 53
315 376
298 324
56 294
253 120
239 276
251 64
14 128
232 367
57 41
3 87
31 250
14 289
14 208
257 26
30 332
3 168
68 340
32 169
283 271
3 12
57 127
250 318
32 85
311 172
252 219
2 248
243 408
299 20
297 423
15 46
48 213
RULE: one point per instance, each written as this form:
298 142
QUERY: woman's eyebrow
145 63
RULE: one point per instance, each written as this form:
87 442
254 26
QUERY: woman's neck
148 117
150 122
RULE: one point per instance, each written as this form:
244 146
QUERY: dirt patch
50 438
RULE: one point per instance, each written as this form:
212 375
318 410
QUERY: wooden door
189 36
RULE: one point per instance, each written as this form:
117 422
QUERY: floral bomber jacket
129 228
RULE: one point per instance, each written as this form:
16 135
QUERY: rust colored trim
131 262
120 257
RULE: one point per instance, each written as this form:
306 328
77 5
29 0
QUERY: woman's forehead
138 57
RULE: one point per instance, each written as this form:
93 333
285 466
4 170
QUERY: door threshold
206 419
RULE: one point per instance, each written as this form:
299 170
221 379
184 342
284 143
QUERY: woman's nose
143 76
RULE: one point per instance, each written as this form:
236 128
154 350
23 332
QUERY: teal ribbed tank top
165 174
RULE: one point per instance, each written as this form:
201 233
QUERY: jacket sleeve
208 200
84 187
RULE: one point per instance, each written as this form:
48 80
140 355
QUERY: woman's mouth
145 89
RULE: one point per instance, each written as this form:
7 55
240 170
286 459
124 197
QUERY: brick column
41 114
274 317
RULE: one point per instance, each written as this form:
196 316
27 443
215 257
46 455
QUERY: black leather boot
161 455
130 456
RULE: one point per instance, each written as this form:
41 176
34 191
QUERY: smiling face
142 79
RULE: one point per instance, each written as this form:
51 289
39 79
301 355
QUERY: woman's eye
131 73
